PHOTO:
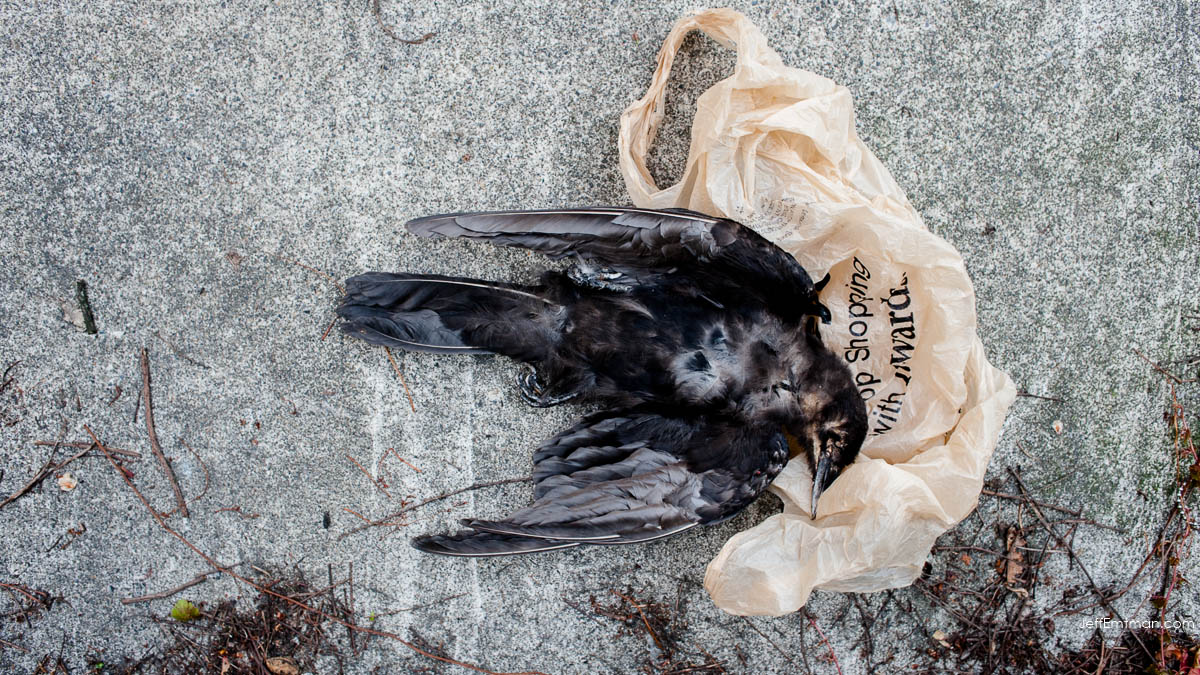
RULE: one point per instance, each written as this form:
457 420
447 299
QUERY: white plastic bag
775 147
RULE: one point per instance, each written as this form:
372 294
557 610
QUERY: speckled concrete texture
182 158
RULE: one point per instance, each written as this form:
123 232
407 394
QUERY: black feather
481 544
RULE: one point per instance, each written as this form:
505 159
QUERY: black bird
701 335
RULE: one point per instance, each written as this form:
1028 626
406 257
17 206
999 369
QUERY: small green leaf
184 611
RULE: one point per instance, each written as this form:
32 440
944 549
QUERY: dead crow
699 334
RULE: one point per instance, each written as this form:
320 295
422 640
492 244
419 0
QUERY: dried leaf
1174 651
282 665
1014 562
940 637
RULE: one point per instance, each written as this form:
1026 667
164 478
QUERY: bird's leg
598 278
536 393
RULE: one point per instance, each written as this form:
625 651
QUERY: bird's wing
640 239
629 476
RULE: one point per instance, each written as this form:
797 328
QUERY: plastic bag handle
640 122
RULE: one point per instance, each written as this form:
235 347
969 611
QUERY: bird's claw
534 391
823 313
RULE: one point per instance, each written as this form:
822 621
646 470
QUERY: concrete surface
178 156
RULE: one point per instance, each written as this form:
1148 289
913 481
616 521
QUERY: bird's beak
822 478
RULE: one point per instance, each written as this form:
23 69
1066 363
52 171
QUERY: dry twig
81 445
180 502
42 473
268 591
199 579
204 466
336 284
1155 365
400 375
386 520
374 481
825 640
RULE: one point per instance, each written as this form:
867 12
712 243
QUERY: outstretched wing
643 239
629 476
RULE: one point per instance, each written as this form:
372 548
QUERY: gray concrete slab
178 156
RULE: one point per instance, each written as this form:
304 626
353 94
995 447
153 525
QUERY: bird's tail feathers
432 313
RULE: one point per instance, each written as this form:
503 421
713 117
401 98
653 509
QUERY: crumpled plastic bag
775 148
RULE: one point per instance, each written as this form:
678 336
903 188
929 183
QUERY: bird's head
832 421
